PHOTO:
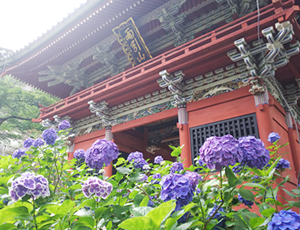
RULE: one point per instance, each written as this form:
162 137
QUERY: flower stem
34 217
212 216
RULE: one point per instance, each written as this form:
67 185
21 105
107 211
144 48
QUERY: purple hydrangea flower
255 153
156 176
220 151
158 159
221 219
176 167
238 168
285 220
194 178
246 202
94 185
144 177
176 187
64 125
283 164
29 184
138 159
18 153
28 143
273 137
38 142
49 135
201 163
79 154
102 152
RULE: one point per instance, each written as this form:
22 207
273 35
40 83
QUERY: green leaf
88 203
133 194
231 177
254 185
140 211
8 227
138 223
65 207
138 199
84 213
290 194
145 201
99 212
9 214
109 225
87 221
176 152
295 203
268 212
257 221
170 222
162 212
246 194
240 222
123 170
184 226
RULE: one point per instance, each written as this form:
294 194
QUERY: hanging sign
132 42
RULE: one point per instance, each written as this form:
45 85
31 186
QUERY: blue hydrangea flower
273 137
201 163
176 167
38 142
79 154
283 164
64 125
176 187
158 159
246 202
96 186
185 218
285 220
217 152
50 136
156 176
255 153
194 178
137 159
18 153
218 216
102 152
29 184
5 201
28 143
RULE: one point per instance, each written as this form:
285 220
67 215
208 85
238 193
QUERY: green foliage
133 204
19 103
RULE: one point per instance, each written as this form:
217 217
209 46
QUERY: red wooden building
203 53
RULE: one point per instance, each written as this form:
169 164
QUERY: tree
19 103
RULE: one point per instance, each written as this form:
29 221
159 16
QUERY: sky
22 21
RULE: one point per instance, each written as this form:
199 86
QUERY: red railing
268 15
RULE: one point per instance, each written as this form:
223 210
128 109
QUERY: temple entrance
151 139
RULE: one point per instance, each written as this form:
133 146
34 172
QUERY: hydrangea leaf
140 211
138 223
231 177
89 203
161 213
123 170
86 221
83 212
170 223
254 185
144 201
256 222
268 212
246 194
295 203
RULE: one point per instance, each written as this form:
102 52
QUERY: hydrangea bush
234 184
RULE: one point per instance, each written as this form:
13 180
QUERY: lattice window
237 127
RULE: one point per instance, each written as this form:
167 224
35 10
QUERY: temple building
152 73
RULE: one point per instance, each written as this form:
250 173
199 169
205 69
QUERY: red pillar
184 136
264 121
263 115
293 141
108 136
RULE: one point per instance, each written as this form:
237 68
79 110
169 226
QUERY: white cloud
22 21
